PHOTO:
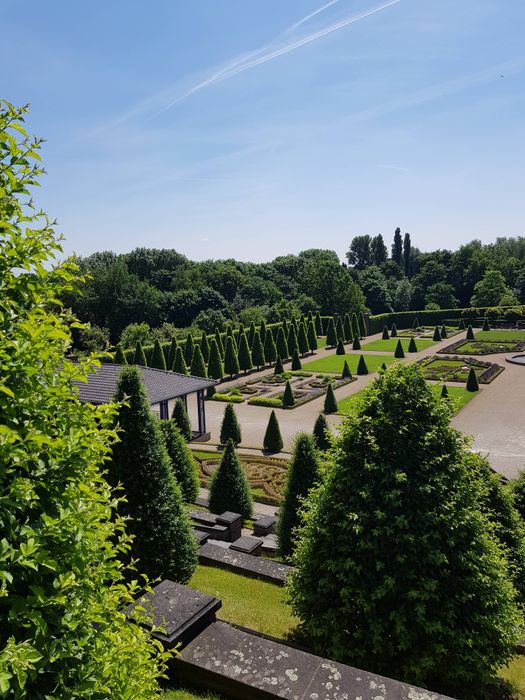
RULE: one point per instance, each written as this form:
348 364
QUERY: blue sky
255 128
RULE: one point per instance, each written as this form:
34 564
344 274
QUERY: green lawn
334 363
390 345
321 342
183 694
500 335
515 674
458 394
245 601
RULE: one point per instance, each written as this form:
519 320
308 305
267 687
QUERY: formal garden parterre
456 369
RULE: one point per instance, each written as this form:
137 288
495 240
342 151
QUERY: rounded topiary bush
229 488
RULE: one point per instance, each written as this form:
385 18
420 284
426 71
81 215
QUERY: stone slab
249 545
202 516
217 532
270 544
201 537
264 525
245 564
229 518
244 665
181 612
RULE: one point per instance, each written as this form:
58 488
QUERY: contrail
311 15
271 55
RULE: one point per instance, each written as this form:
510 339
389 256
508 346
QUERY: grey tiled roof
160 385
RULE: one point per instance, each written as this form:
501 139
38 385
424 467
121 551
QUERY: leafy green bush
181 460
303 472
229 397
229 489
230 428
397 569
62 588
264 401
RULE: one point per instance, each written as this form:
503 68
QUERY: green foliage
120 356
198 366
265 401
251 334
245 356
179 364
472 380
258 356
330 402
163 541
415 324
312 337
229 489
61 584
347 329
302 340
205 347
393 331
231 360
293 344
182 421
303 472
346 374
461 325
486 324
412 346
414 585
470 333
399 352
158 360
355 326
281 344
443 332
356 345
362 325
340 350
181 460
171 353
215 368
288 397
278 369
517 489
273 441
385 335
318 324
339 330
437 334
189 349
218 340
270 350
230 428
139 358
211 391
444 392
331 336
296 362
321 433
362 366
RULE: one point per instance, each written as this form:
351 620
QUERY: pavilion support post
201 412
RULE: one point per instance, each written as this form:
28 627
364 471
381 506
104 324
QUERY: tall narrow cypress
251 334
258 357
281 344
245 356
188 349
355 326
270 350
231 360
171 353
318 324
293 345
215 368
139 358
347 329
198 366
273 441
312 337
218 340
331 337
181 459
158 359
205 347
262 329
120 355
179 363
302 340
362 325
181 418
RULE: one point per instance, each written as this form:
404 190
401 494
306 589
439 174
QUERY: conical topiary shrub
281 344
258 357
288 397
318 324
163 541
412 347
340 350
218 340
205 347
279 369
331 336
158 359
270 350
444 332
393 331
362 325
361 366
296 362
470 333
312 337
347 329
385 335
179 364
302 339
170 355
347 374
399 352
231 360
273 441
120 355
215 368
330 402
251 335
293 343
303 472
437 334
415 325
181 460
188 349
229 488
321 433
355 326
230 428
198 366
339 330
444 392
356 345
182 421
461 325
486 325
139 358
245 356
472 380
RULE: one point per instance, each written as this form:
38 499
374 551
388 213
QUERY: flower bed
456 369
483 347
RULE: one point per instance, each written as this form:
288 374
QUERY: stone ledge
245 564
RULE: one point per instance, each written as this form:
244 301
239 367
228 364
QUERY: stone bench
249 666
201 537
245 564
248 545
263 525
226 526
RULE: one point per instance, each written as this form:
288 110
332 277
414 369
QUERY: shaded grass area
458 395
255 604
334 363
511 334
391 344
514 673
184 694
